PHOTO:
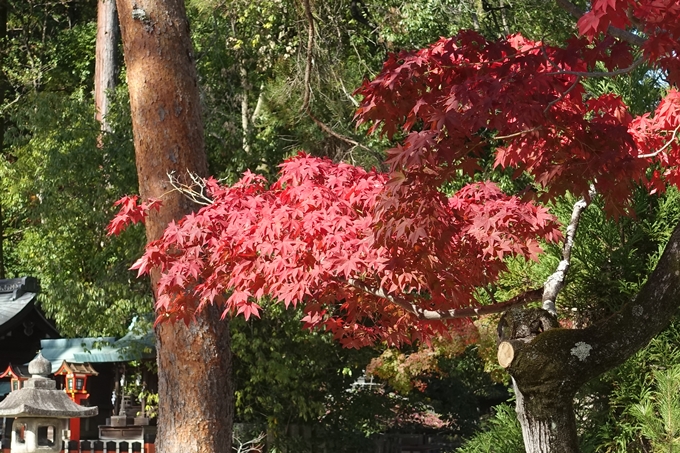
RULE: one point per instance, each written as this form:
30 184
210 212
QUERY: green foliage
611 421
609 268
464 393
414 24
62 187
640 89
238 44
658 412
501 434
286 375
447 377
356 416
50 45
287 378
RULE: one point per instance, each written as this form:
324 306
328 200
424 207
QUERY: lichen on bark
554 363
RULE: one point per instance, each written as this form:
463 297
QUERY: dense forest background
268 90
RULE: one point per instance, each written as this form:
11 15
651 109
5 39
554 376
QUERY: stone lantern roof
40 397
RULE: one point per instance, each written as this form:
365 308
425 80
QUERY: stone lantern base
38 434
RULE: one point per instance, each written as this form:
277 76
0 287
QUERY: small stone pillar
41 411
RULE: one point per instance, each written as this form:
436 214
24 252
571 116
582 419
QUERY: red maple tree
332 237
391 257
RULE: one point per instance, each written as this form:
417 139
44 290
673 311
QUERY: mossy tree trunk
194 362
549 364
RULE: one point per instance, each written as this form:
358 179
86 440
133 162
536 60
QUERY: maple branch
668 143
562 96
517 134
554 284
621 71
623 35
438 315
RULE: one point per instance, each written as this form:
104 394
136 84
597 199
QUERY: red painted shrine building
89 370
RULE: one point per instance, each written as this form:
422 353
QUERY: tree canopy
400 256
374 254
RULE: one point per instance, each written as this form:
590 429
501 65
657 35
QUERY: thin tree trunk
194 362
246 124
3 90
2 240
105 66
504 19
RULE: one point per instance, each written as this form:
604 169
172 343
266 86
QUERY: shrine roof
76 368
137 344
40 397
16 371
65 349
43 403
17 299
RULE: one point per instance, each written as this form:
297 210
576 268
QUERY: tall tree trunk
3 89
2 240
549 364
105 59
194 362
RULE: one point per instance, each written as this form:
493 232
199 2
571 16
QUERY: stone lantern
41 411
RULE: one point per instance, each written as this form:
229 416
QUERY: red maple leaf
358 249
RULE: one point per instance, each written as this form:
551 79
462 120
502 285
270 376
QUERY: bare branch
6 106
349 96
198 196
253 445
438 315
555 282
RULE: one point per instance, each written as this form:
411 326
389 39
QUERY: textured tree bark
195 408
2 240
105 59
3 89
246 124
549 364
548 422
